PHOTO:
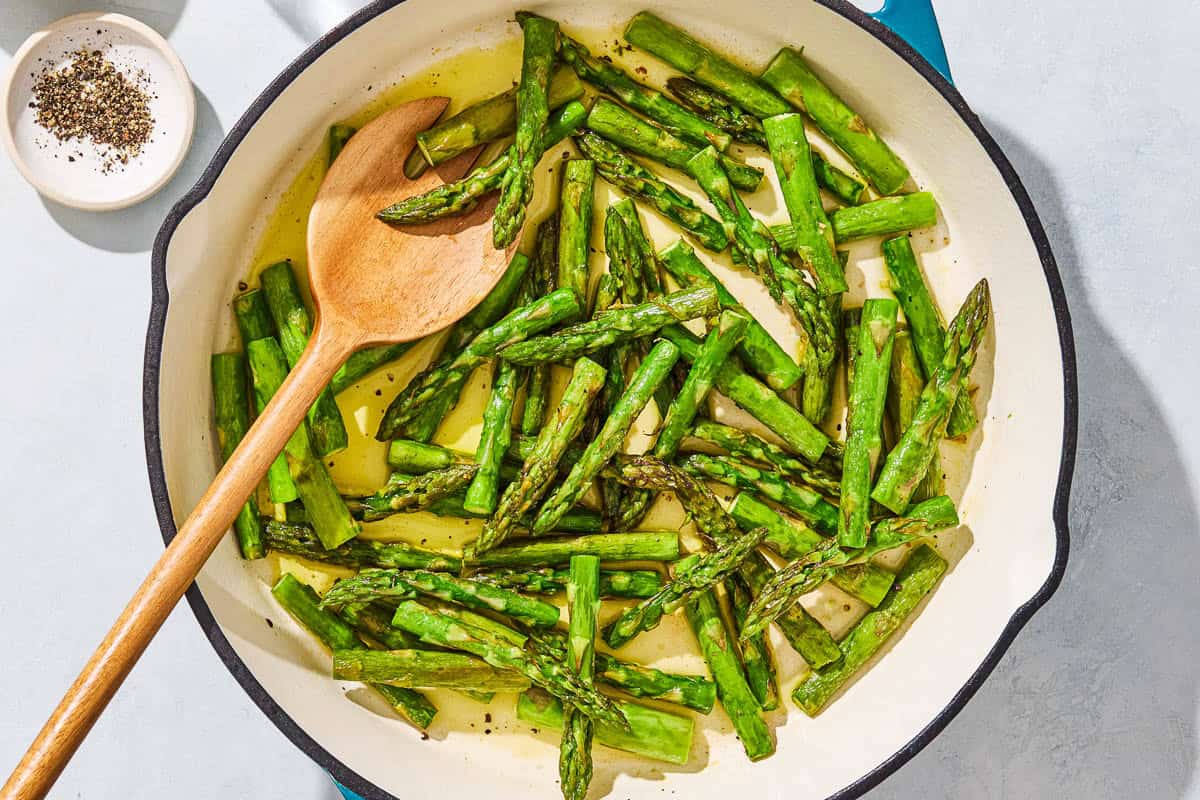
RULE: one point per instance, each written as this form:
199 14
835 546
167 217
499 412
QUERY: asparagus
928 332
622 265
425 669
533 110
376 584
624 128
459 197
338 136
551 675
643 251
485 627
636 583
231 418
632 178
416 493
374 621
757 659
672 45
642 546
797 433
758 349
883 217
543 278
539 469
299 540
583 606
806 503
254 322
904 394
330 517
616 326
303 604
493 440
824 477
294 325
689 580
804 633
795 81
692 691
851 327
649 374
820 363
737 699
797 180
521 323
652 733
483 122
667 114
864 418
916 579
575 225
867 582
842 185
420 457
909 460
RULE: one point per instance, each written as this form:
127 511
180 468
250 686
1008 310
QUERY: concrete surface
1094 104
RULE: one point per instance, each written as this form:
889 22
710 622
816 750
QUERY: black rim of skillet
154 342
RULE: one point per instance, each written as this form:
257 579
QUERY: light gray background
1095 103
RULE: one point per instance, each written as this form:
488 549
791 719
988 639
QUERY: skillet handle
915 22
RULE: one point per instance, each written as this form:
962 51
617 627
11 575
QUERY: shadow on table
1098 696
132 230
19 18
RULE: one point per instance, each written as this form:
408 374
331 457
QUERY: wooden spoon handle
176 568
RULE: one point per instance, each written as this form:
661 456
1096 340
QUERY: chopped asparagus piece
231 418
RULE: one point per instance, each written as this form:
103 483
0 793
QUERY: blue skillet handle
914 22
346 793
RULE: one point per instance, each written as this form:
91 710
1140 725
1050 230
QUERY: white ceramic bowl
72 173
1013 500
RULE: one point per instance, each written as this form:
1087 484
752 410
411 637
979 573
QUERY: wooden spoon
372 284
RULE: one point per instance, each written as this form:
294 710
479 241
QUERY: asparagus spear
652 733
583 606
909 460
575 225
298 539
494 440
643 252
338 136
425 669
330 518
757 659
824 477
758 349
797 433
801 500
303 603
617 326
483 122
916 579
804 633
622 266
374 621
672 45
539 470
551 675
904 394
254 322
632 178
522 322
416 493
464 194
642 546
883 217
624 128
864 417
650 373
231 418
925 322
797 180
820 363
737 699
692 691
670 116
294 325
371 585
420 457
636 583
795 81
543 279
689 580
533 109
748 128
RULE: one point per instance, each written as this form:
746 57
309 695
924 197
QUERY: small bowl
72 172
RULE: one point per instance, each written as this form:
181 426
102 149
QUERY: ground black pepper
90 99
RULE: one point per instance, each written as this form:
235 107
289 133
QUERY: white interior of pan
1002 555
